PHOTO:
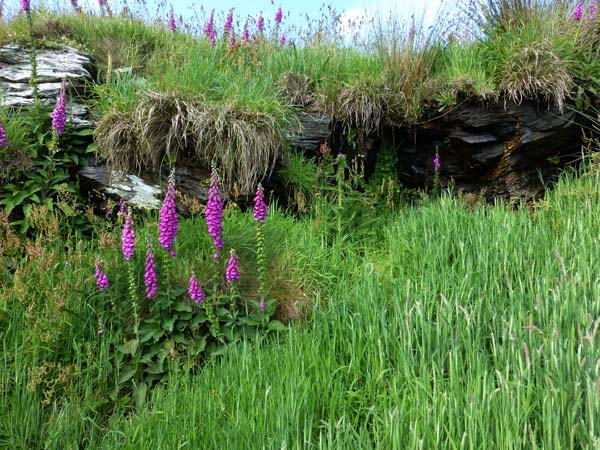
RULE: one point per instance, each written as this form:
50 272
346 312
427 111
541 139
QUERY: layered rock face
54 65
505 150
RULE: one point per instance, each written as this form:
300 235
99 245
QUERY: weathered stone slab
54 65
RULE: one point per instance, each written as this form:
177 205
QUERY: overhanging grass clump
244 145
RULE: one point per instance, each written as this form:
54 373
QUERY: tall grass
440 326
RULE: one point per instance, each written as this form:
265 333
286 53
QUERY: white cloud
425 13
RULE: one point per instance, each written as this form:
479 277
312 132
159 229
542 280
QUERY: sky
295 12
298 14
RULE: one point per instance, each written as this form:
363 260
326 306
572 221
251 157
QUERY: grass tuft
536 71
244 145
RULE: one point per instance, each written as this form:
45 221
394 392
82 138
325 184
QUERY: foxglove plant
59 114
282 40
168 220
150 277
195 290
246 33
228 23
128 245
593 12
76 7
278 16
101 277
209 29
3 141
260 214
122 207
214 212
26 8
260 24
578 11
172 25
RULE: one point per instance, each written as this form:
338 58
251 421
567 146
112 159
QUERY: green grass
439 324
436 326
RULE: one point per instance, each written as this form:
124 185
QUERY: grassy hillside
362 320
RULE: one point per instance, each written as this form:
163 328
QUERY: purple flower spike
3 141
76 6
168 220
128 238
214 212
59 115
246 33
209 29
282 40
101 277
122 207
150 278
260 24
25 5
172 25
232 272
593 11
228 23
578 11
278 16
436 162
260 207
195 290
261 305
232 41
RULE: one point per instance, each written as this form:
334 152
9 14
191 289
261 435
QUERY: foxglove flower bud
168 220
245 33
128 238
101 277
150 278
232 272
172 25
195 290
3 141
59 115
578 11
260 207
228 23
260 24
214 212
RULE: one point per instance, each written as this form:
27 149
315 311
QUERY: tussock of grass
299 89
363 106
536 72
244 145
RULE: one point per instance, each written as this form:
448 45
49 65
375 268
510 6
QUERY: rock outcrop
54 65
503 150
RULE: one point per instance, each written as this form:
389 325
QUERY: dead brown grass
244 145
